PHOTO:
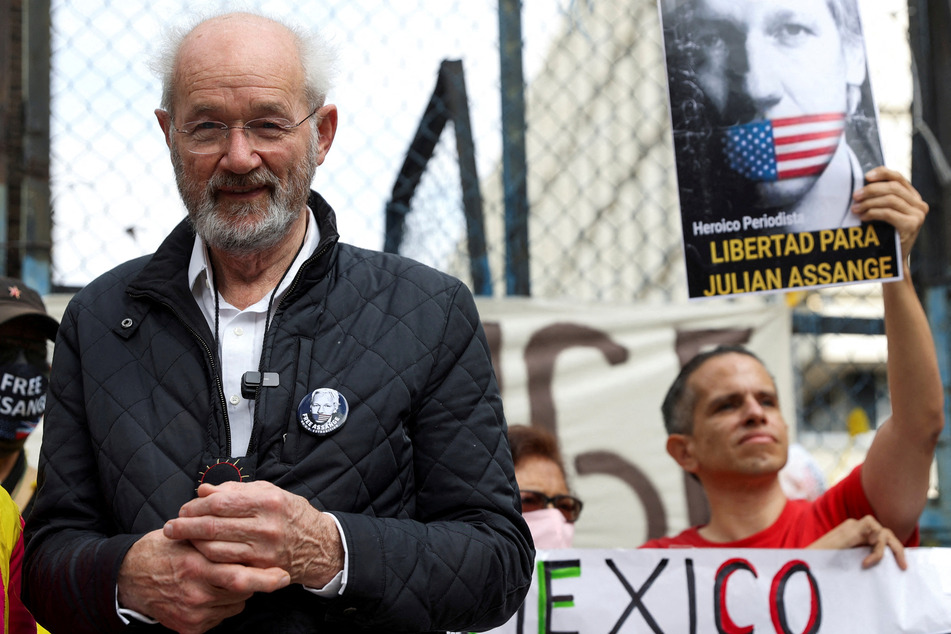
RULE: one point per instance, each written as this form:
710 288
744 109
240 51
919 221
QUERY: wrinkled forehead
239 52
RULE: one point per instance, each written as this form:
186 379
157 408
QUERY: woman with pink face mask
547 506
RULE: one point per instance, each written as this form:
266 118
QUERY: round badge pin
322 411
222 470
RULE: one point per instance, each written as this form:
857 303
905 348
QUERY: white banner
596 375
696 591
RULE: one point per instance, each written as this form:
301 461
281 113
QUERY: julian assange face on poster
780 79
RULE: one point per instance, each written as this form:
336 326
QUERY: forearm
914 381
917 395
897 468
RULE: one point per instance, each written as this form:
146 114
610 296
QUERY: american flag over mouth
778 149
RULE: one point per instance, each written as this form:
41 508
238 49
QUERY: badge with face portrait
323 411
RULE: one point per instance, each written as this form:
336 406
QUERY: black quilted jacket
420 476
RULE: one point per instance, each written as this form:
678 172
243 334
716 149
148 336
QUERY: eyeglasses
208 137
569 505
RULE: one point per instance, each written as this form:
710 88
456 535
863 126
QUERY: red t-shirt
801 522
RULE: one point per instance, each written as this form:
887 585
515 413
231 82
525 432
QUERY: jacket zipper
211 357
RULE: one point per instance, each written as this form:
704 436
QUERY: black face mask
22 401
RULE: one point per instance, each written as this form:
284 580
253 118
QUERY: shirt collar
201 275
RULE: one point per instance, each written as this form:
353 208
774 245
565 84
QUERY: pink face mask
549 529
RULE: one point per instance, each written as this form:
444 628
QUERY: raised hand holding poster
774 127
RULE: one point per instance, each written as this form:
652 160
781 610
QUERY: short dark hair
678 405
530 440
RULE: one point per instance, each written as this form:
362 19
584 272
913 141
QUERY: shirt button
239 331
235 399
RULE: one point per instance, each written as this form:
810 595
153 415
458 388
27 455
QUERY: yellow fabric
10 531
9 534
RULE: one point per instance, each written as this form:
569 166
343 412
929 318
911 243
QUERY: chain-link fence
113 189
601 188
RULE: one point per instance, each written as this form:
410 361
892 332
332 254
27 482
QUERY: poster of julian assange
774 126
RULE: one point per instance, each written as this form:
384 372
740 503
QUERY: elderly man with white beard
183 478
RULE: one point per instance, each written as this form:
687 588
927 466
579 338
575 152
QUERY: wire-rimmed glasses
264 134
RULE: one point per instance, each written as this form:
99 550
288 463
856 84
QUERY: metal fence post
33 232
9 96
514 169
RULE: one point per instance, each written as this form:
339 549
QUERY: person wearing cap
25 327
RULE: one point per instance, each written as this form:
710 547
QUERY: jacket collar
165 277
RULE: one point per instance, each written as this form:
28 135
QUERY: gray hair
318 58
845 13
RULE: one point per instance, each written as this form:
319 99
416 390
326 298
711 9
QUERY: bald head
235 54
244 45
232 41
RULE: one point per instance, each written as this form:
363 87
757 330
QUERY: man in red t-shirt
725 427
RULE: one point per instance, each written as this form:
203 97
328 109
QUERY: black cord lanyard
253 379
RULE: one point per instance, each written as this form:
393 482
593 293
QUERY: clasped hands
232 541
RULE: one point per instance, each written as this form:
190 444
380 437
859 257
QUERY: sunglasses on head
569 505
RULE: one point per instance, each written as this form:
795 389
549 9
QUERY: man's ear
680 448
327 128
165 121
855 74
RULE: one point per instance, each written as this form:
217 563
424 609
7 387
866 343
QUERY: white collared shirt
240 332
